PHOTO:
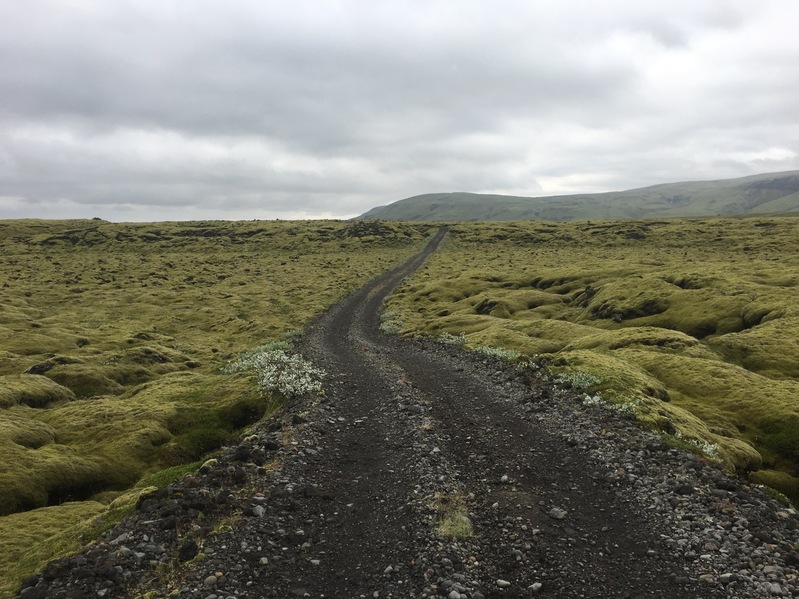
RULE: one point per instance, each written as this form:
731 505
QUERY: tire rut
543 519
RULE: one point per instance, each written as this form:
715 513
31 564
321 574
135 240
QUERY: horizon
144 111
345 218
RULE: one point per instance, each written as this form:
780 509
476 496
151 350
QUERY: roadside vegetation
691 325
128 351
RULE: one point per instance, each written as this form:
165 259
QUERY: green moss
695 321
783 482
136 320
30 540
84 381
31 342
654 338
509 338
164 477
649 300
31 390
153 355
770 348
18 429
620 377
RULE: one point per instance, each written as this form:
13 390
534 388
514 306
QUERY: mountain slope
757 194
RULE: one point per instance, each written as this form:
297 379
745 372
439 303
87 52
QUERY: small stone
503 584
389 569
557 514
210 581
454 595
264 561
258 510
504 479
536 587
707 578
188 550
315 562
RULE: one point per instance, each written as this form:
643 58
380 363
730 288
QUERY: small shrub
249 354
578 379
628 407
707 449
593 400
277 370
390 323
499 352
450 339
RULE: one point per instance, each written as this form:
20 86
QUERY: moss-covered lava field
113 343
114 340
692 325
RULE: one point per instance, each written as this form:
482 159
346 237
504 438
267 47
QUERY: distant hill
770 193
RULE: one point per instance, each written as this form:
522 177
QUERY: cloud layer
177 110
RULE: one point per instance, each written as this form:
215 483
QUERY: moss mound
85 381
26 432
770 349
693 322
31 539
152 355
31 390
781 481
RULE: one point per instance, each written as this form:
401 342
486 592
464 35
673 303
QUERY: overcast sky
175 109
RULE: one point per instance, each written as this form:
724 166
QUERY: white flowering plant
450 339
277 369
390 322
499 352
706 448
625 407
578 379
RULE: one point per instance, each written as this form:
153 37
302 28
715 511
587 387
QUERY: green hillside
770 193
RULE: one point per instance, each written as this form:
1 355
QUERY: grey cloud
335 107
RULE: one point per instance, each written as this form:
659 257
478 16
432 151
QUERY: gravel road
563 499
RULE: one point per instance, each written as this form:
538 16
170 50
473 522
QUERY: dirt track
481 434
565 500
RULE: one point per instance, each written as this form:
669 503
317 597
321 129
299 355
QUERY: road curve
544 519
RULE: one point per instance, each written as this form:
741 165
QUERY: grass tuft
453 519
